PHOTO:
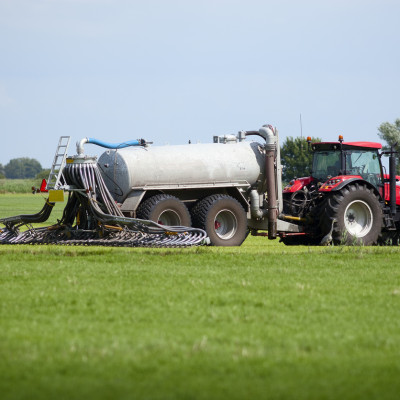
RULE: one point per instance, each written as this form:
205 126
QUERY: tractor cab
334 165
346 160
337 162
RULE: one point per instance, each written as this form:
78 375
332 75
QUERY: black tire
223 218
389 239
353 216
166 210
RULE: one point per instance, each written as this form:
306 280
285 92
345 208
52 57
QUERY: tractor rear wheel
353 216
223 218
165 210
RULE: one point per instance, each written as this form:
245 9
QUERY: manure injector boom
217 193
91 216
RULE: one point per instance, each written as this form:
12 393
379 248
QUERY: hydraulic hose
79 145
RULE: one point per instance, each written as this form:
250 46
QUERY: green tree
43 174
2 174
20 168
296 158
390 133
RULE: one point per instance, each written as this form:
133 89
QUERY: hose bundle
91 217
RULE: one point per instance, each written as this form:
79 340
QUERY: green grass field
261 321
26 203
18 185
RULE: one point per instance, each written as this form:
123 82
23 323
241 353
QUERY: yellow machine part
56 196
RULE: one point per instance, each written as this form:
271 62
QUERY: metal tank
182 166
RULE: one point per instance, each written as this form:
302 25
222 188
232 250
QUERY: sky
173 71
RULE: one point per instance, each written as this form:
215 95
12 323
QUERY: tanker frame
221 187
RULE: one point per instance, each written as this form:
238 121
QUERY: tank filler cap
225 139
241 136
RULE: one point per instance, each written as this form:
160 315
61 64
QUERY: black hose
101 221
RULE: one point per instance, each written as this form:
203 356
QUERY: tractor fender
358 180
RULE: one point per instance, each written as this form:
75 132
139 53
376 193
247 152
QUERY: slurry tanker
138 194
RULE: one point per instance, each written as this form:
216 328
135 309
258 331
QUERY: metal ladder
58 164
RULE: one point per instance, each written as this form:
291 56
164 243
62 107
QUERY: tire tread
332 206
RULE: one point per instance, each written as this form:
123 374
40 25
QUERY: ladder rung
59 160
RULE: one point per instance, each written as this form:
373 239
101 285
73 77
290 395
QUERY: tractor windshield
325 164
364 163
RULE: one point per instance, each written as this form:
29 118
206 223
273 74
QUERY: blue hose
116 145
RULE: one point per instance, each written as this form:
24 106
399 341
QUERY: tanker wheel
223 218
165 210
353 216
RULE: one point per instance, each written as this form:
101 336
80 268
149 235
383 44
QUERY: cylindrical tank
191 164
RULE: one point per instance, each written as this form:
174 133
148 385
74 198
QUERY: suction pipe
255 209
270 149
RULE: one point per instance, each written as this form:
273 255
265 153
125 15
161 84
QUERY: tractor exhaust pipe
270 181
392 180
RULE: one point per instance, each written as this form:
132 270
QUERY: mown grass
258 321
18 185
16 204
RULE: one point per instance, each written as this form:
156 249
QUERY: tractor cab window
326 164
364 163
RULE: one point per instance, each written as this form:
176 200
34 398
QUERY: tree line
21 168
295 157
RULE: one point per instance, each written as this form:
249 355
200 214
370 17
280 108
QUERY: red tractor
348 198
